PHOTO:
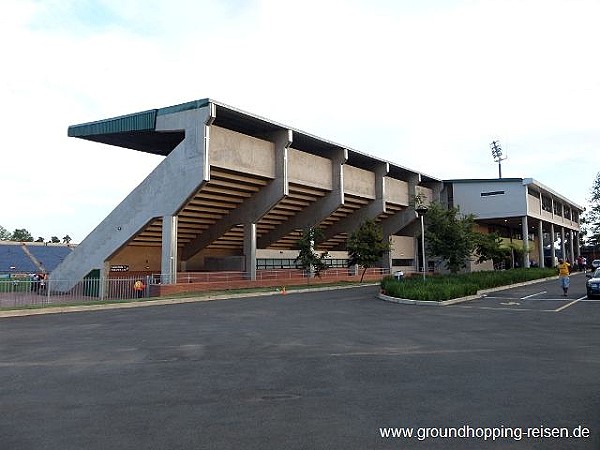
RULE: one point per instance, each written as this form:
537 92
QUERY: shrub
440 288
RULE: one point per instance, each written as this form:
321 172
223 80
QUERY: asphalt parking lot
334 369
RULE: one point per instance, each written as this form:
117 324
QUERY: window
546 203
491 193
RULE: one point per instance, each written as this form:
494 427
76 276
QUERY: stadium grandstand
31 257
234 193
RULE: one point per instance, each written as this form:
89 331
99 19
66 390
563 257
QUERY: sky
425 84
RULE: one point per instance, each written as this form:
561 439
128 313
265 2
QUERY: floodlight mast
497 154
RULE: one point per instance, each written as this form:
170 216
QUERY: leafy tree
67 239
21 235
40 239
366 246
4 234
489 246
591 219
54 240
453 237
309 259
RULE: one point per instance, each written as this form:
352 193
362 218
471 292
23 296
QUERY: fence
24 291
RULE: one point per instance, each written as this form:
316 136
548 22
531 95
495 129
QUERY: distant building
535 219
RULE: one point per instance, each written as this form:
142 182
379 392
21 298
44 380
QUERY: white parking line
567 305
533 295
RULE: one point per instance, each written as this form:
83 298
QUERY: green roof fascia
195 104
142 121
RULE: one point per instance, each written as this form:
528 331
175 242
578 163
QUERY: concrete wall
242 153
138 258
510 203
311 170
396 191
359 182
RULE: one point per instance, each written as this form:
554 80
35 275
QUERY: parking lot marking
533 295
567 305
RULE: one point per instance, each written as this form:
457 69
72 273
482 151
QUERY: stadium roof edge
137 131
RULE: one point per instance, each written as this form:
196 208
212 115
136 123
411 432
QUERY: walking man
564 268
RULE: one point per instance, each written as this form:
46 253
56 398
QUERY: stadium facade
235 191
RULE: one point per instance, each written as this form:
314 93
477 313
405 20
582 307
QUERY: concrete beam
369 211
256 206
317 211
398 221
162 193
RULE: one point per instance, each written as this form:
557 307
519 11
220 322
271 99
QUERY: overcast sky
425 84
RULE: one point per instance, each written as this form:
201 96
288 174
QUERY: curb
454 301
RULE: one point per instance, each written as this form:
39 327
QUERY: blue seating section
49 256
14 259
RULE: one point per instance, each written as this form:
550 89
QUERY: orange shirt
563 269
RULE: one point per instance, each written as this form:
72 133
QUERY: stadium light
497 154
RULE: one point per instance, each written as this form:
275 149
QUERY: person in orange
139 287
564 269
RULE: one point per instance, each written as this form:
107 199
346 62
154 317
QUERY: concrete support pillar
552 249
541 243
168 266
571 247
577 246
563 247
525 235
250 249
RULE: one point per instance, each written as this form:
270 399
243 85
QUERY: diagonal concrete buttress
255 207
161 194
317 211
369 211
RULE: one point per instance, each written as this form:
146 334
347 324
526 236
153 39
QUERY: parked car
596 264
592 285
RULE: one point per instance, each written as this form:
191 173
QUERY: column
525 235
562 243
250 249
571 250
541 243
552 249
168 265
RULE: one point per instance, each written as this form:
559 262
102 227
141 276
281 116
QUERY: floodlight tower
497 154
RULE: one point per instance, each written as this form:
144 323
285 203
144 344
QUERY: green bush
446 287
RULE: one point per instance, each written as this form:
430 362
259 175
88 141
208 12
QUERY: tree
21 235
309 259
592 215
54 240
67 239
453 237
489 246
366 246
40 239
4 234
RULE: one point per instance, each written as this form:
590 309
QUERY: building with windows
537 221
